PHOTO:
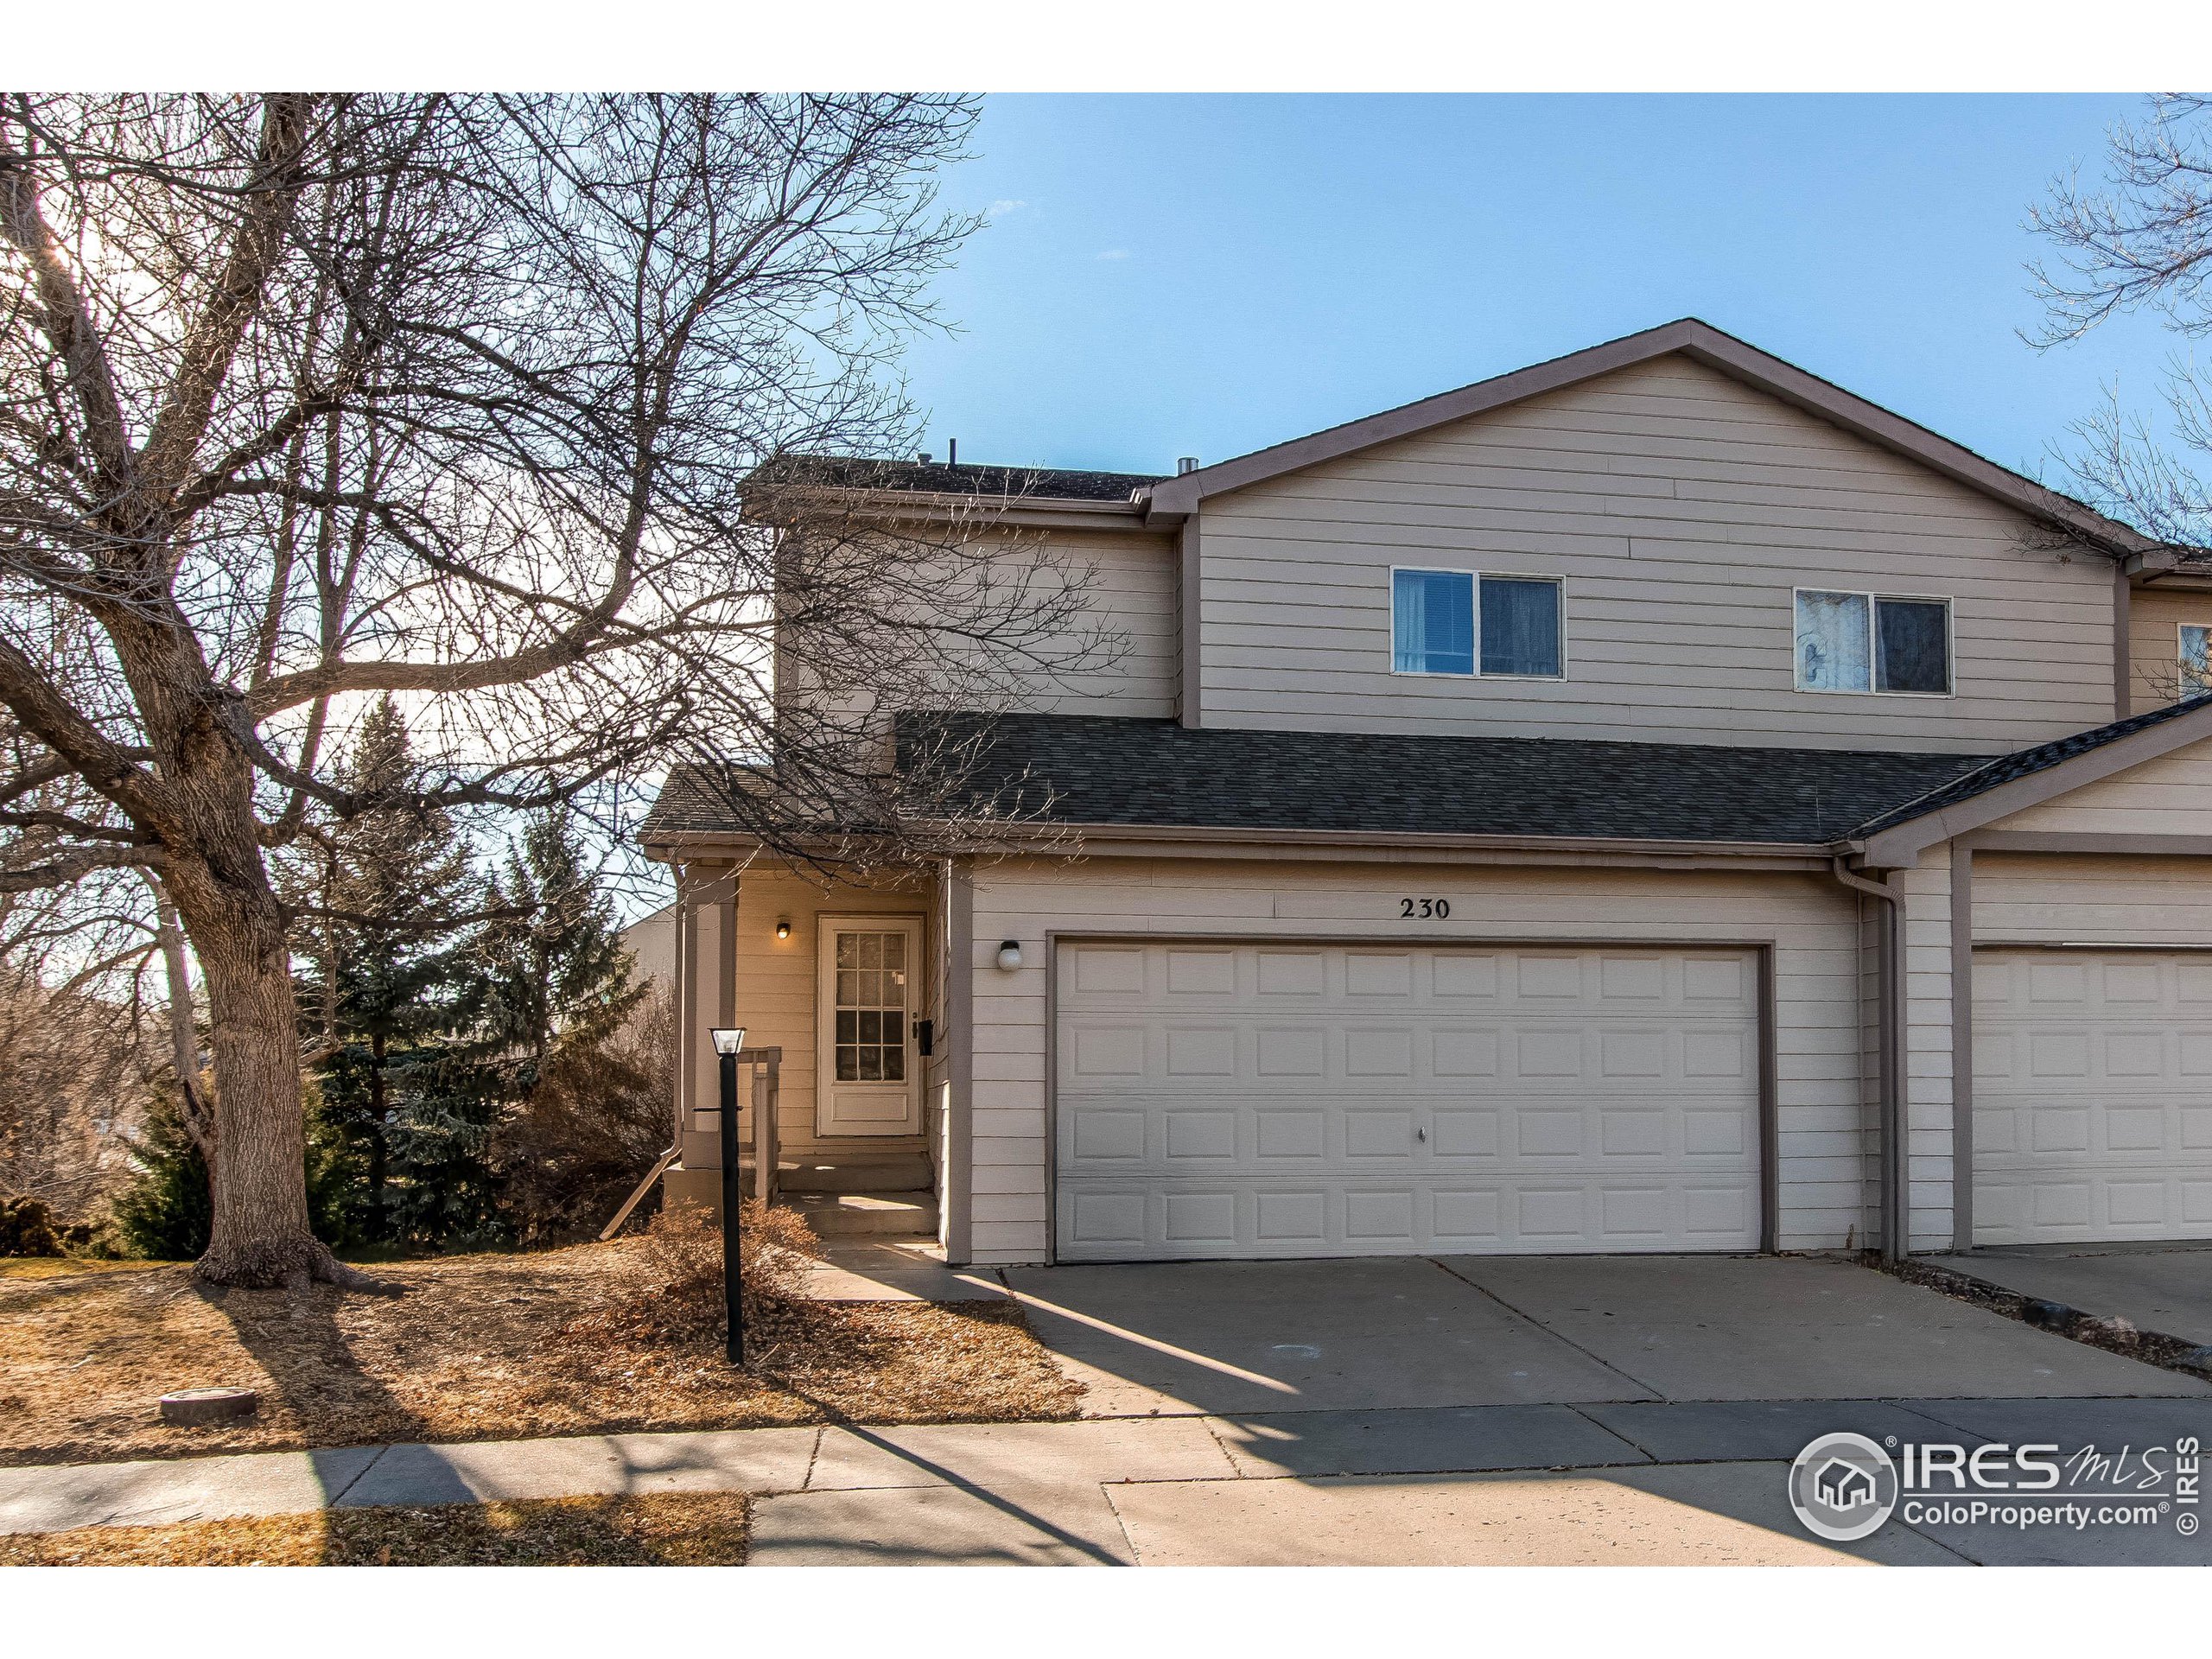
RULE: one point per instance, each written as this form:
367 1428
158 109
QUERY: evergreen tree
555 972
385 981
586 1112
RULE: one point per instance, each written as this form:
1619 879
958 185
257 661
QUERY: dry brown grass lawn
657 1530
474 1350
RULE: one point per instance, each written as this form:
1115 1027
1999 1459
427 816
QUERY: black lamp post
727 1043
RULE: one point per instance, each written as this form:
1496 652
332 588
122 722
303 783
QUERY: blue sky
1169 275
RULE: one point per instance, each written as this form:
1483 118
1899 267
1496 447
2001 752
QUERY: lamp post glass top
727 1040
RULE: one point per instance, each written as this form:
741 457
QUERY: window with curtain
1520 626
1866 642
1912 645
1833 647
1431 622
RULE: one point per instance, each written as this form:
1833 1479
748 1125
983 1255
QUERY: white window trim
2181 659
827 925
1559 582
1873 668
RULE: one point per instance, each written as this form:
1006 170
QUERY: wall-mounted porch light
783 927
1009 955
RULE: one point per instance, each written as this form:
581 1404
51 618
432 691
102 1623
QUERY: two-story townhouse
1655 800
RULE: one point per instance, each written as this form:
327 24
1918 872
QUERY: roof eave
1225 839
1040 512
1899 846
1175 498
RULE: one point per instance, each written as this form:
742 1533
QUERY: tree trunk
261 1234
184 1029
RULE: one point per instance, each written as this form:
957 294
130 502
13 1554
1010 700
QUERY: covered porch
843 1085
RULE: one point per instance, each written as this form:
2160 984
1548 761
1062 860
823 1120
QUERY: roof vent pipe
952 452
1186 464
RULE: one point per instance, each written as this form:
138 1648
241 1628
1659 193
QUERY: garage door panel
2087 1125
1425 1099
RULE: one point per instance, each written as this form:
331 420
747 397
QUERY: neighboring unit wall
1120 655
1680 507
1809 920
2154 620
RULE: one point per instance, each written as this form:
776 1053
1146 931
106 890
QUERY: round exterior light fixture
1009 955
727 1040
782 928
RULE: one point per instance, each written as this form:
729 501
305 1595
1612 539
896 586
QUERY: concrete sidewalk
1640 1481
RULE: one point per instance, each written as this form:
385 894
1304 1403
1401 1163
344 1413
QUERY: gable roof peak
1173 499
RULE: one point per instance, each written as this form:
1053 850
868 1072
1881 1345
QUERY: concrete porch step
869 1215
865 1172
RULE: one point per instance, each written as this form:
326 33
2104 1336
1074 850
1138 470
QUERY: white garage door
2092 1095
1279 1100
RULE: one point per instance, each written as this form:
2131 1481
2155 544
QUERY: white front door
868 1077
1258 1099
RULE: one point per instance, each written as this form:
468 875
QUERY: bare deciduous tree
2140 240
309 398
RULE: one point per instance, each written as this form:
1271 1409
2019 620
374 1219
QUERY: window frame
1475 600
2182 669
1874 597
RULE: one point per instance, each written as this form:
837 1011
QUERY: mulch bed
2115 1335
657 1530
481 1347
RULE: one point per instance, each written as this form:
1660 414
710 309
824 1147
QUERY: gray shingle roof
1075 770
696 799
1093 770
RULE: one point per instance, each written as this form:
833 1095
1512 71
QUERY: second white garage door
2091 1095
1261 1100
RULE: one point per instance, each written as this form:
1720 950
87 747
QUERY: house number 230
1426 909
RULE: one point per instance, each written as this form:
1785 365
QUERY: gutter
1896 1155
1071 838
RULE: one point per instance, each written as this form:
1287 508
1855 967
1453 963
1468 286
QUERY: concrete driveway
2163 1288
1421 1333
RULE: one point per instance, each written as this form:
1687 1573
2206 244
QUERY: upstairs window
1464 622
1432 621
2196 660
1873 642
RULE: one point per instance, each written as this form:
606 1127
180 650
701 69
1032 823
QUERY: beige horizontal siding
1810 921
1130 589
1928 1074
2154 620
776 991
1679 508
1120 653
2170 796
2050 899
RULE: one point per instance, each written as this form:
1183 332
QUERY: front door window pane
1832 643
870 1017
